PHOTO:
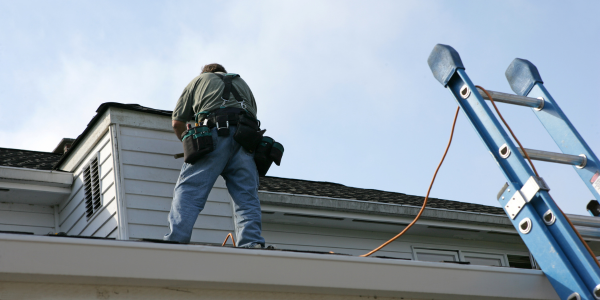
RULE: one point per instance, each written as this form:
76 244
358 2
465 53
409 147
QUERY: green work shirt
204 92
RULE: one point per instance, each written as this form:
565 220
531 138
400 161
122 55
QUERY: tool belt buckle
223 131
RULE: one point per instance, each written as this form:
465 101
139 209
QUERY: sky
343 85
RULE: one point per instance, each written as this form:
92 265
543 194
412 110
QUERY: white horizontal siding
109 226
38 219
148 145
107 214
150 134
165 161
150 172
114 234
159 218
77 215
148 188
79 225
71 216
213 207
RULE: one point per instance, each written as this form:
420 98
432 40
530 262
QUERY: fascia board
589 233
84 147
40 177
35 187
87 261
351 205
587 226
125 117
405 219
588 221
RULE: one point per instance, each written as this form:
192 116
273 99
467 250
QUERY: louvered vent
91 181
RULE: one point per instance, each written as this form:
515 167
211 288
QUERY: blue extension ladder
552 241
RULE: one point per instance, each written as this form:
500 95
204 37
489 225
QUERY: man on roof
219 148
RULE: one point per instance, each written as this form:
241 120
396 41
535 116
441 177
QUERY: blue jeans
195 182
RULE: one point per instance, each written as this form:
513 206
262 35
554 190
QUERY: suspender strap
235 93
229 88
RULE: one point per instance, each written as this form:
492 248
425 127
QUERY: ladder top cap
522 75
443 62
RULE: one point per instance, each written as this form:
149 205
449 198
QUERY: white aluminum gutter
45 259
33 176
31 186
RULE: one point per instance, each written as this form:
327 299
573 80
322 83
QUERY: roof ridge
351 187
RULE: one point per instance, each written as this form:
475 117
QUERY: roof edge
336 274
46 176
361 206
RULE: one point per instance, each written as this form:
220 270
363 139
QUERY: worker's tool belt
247 134
222 118
197 142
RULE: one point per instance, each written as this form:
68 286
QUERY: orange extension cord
229 235
440 164
428 191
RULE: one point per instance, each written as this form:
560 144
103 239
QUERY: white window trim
502 257
461 253
455 253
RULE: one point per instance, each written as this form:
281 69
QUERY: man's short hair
211 68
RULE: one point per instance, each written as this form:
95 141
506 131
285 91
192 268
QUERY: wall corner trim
123 224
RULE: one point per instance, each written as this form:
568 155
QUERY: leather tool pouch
267 152
262 156
248 133
276 153
197 142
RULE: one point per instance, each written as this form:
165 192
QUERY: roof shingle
28 159
335 190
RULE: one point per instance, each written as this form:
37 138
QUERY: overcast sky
344 85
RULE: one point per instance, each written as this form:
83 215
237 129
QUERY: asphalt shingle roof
336 190
28 159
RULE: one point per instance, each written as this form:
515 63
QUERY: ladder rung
513 99
558 158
